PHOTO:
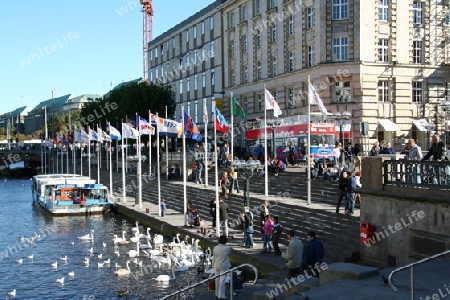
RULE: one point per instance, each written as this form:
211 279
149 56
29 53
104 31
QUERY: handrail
411 265
177 293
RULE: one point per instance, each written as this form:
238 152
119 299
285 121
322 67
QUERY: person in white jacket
221 263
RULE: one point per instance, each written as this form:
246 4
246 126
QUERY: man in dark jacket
351 187
437 149
343 182
276 234
313 254
223 216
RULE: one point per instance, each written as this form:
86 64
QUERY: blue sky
76 47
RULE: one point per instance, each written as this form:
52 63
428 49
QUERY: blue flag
190 129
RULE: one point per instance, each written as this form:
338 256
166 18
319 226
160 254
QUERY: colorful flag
221 123
129 132
205 112
99 134
130 122
190 128
169 127
238 110
113 132
93 136
314 98
144 126
270 104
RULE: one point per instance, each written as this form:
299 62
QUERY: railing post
412 282
231 285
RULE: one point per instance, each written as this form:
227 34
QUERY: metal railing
417 174
411 265
177 293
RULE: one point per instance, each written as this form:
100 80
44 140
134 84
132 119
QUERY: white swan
30 257
146 247
123 272
64 258
135 229
86 261
134 253
71 274
60 280
123 241
157 251
145 236
107 262
87 237
158 239
165 278
104 245
100 265
12 293
55 265
19 261
134 239
100 255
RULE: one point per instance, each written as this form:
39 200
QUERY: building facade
383 61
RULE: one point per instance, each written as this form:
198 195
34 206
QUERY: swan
123 272
180 268
12 293
135 229
72 243
156 251
100 265
71 274
118 240
104 245
145 236
108 261
100 255
134 253
146 247
91 250
158 239
60 280
117 266
188 263
116 252
134 239
19 261
30 257
55 265
123 292
87 237
86 261
64 258
165 278
137 262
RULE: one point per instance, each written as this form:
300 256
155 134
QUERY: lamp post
446 109
246 170
341 119
274 124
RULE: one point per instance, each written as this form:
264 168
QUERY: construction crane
147 21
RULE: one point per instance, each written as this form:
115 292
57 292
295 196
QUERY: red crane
147 18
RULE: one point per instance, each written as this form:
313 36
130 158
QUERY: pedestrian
163 207
212 211
223 183
268 227
293 255
198 171
248 228
221 263
233 181
223 216
262 216
313 254
351 190
357 154
438 151
343 182
387 149
276 235
375 151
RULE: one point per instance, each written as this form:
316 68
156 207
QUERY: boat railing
178 293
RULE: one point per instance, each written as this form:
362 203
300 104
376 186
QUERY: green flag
237 109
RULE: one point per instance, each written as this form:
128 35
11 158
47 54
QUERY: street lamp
246 170
341 120
446 109
274 124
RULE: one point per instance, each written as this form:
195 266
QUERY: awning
422 125
388 125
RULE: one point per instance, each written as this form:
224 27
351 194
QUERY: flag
130 122
144 126
190 128
129 132
114 134
270 104
153 120
169 128
93 136
314 98
221 123
81 136
205 111
99 135
238 110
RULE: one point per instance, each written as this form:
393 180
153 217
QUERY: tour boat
70 194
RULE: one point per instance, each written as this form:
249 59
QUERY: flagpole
167 152
205 113
266 168
216 172
232 133
150 147
123 170
89 152
139 170
99 152
110 166
158 167
81 152
308 176
117 149
184 168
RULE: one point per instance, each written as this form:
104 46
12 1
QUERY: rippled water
37 279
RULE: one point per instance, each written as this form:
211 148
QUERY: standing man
414 153
248 228
351 187
221 263
314 253
223 216
343 182
293 255
357 153
438 151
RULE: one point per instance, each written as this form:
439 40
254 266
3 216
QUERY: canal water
26 266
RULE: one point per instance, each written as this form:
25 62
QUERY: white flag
270 103
314 98
129 132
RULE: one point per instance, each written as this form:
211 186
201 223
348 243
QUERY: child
163 207
268 227
276 234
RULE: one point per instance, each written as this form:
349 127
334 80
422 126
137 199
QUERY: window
162 50
173 43
259 104
291 61
259 70
383 91
258 39
211 49
383 10
233 78
151 74
257 7
194 31
246 79
244 101
310 18
274 66
417 52
156 52
173 64
291 25
181 63
272 3
211 22
188 85
274 94
232 48
243 13
156 73
162 70
213 77
188 108
203 53
195 57
291 102
244 43
181 86
311 56
187 35
417 13
195 82
203 79
417 92
196 111
167 47
340 49
383 50
188 60
342 91
274 33
340 9
203 27
151 55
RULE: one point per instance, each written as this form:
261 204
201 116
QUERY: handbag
250 229
211 283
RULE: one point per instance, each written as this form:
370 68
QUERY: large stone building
383 61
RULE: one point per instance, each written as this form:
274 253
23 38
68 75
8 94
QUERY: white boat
70 194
